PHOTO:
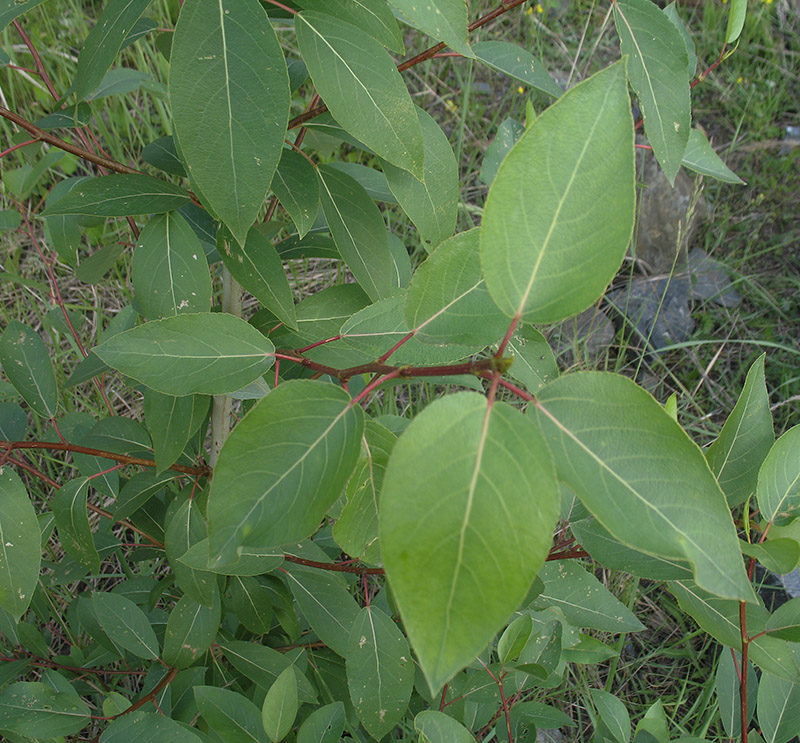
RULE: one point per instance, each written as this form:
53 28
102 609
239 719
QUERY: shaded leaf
72 519
36 710
445 20
297 188
147 727
701 157
161 154
191 629
372 16
280 706
437 727
323 725
27 365
230 715
126 623
778 488
172 421
534 361
507 135
518 63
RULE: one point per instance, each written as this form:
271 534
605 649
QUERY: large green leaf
778 488
229 89
282 467
373 17
559 214
297 188
447 300
658 70
445 20
200 353
233 717
613 714
380 671
26 363
36 710
104 42
720 618
518 63
72 520
126 624
20 551
191 628
437 727
469 488
185 528
323 725
361 86
583 600
263 665
778 708
169 269
252 604
736 16
736 456
643 478
432 202
327 605
120 196
257 266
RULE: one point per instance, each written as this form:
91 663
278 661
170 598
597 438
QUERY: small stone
589 334
710 280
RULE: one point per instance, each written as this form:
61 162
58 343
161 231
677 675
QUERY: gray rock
588 335
663 215
791 583
658 309
710 280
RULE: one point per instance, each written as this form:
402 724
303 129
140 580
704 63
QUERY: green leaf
583 600
726 687
508 133
252 560
374 181
120 196
9 219
104 42
27 365
280 706
169 269
736 16
559 214
20 551
121 81
356 529
613 554
447 300
469 487
13 422
148 727
784 622
380 671
202 353
371 16
172 421
719 617
263 665
613 713
323 725
778 488
36 710
183 530
327 605
778 708
72 520
643 478
11 9
658 70
251 603
671 11
282 467
191 628
361 86
445 20
321 315
126 624
437 727
431 203
700 157
231 148
233 717
516 635
256 265
359 231
534 361
518 63
778 555
161 154
297 188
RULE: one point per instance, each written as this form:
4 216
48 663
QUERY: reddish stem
334 566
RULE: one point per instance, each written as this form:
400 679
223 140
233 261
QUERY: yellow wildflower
520 89
540 9
739 79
